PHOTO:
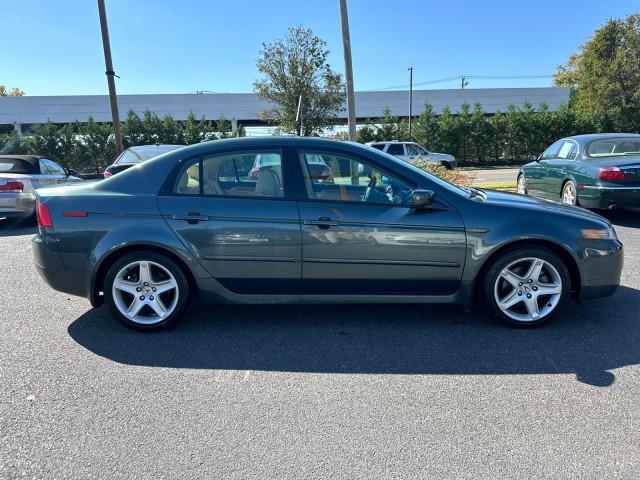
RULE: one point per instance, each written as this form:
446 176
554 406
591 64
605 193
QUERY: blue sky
162 46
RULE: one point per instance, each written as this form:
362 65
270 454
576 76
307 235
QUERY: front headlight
599 233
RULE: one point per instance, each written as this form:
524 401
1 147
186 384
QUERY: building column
234 126
18 128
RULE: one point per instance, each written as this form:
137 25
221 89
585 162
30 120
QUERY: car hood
526 202
441 156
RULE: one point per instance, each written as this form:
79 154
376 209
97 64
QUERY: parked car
20 175
148 241
599 171
410 151
134 155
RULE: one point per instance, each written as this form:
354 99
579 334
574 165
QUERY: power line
466 77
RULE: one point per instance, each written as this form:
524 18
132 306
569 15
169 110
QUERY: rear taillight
107 174
610 173
43 214
12 186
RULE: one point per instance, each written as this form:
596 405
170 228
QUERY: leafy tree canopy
294 66
14 92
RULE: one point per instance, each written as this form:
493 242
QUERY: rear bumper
597 196
17 204
49 265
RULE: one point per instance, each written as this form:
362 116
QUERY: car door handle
322 222
192 217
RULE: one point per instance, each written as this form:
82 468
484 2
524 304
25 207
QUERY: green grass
487 167
504 186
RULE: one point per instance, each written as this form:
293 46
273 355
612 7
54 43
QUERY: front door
232 211
360 236
537 181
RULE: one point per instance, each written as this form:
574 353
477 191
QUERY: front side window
552 151
234 175
53 167
340 178
395 149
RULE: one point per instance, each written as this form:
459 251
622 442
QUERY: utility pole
348 71
410 99
463 82
113 99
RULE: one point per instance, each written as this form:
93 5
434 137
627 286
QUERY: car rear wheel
525 287
522 185
146 291
570 193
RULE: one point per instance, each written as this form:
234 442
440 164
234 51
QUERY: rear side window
234 175
568 150
396 149
378 146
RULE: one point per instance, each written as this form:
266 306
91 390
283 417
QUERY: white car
21 175
410 151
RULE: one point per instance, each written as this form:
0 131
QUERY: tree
14 92
426 127
297 66
605 73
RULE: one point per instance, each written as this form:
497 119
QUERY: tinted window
345 179
395 149
15 165
238 175
378 146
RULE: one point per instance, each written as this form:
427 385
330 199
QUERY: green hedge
90 146
520 133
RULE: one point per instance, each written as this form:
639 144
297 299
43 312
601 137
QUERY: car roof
601 136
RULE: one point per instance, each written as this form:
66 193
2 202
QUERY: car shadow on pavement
624 218
587 340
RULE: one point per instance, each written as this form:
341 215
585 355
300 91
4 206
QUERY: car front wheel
146 291
525 287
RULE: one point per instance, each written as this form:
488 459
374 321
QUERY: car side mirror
422 198
72 173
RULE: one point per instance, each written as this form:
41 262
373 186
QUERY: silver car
21 175
411 151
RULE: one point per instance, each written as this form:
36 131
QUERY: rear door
359 236
397 150
236 214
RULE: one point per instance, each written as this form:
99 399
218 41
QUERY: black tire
570 185
508 258
446 165
182 291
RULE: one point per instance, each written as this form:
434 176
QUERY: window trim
168 188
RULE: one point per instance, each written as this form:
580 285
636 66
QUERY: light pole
410 99
348 71
113 99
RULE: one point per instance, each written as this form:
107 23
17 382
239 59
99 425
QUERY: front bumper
598 196
602 262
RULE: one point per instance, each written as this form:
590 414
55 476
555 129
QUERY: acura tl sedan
598 171
188 224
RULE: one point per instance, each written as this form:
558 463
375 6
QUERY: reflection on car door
537 171
355 245
238 221
48 176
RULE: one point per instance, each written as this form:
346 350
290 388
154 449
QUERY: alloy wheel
522 189
145 292
569 194
528 289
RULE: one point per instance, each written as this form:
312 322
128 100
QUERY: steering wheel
370 187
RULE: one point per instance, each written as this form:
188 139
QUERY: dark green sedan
599 171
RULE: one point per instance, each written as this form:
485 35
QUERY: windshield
140 154
613 147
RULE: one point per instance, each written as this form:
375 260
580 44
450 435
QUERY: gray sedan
193 223
20 175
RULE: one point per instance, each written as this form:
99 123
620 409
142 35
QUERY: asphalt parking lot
316 391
